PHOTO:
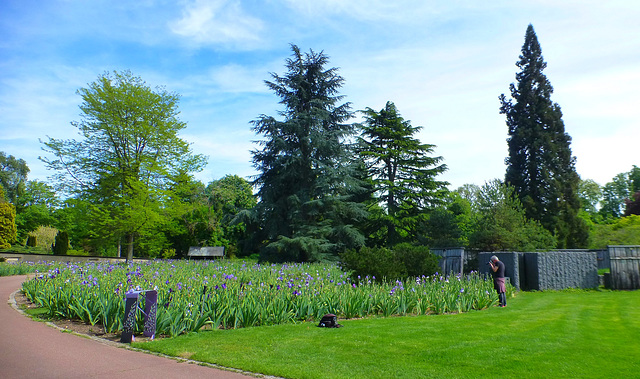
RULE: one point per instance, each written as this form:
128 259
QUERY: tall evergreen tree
304 182
540 166
403 172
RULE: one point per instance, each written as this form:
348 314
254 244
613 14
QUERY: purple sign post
131 307
150 309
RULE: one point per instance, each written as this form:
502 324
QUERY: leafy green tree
402 170
469 192
35 207
127 158
75 216
634 178
614 195
540 166
8 230
633 203
451 224
590 194
305 181
501 223
13 176
207 219
226 198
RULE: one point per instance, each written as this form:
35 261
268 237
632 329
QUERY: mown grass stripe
539 335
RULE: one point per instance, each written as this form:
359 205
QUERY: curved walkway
31 349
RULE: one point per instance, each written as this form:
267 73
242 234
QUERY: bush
61 244
8 231
31 241
417 260
168 253
386 264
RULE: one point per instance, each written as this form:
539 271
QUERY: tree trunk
130 248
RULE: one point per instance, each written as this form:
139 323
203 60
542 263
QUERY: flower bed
224 294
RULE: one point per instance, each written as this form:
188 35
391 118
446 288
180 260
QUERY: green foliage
403 172
634 178
306 181
590 194
614 194
127 160
21 268
207 214
502 225
81 253
8 230
34 213
622 231
233 294
449 225
13 177
540 166
32 241
61 245
381 263
168 253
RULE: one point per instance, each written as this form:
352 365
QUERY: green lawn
539 335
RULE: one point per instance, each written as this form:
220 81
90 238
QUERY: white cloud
211 22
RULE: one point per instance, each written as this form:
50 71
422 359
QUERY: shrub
45 236
418 260
168 253
61 244
8 231
31 241
402 261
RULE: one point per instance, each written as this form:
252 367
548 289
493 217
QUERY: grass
539 335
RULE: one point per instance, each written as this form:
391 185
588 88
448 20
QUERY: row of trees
324 185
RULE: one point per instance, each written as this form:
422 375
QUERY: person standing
498 279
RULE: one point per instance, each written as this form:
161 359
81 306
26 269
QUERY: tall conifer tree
403 172
305 212
540 166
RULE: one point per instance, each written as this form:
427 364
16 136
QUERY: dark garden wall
558 270
547 270
625 267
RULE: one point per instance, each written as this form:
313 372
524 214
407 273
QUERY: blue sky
443 63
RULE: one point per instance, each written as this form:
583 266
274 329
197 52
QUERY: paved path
31 349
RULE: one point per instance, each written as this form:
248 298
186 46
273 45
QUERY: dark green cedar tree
305 182
540 166
403 173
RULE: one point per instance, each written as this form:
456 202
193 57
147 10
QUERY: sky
443 63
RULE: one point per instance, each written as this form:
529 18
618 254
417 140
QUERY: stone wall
547 270
559 270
